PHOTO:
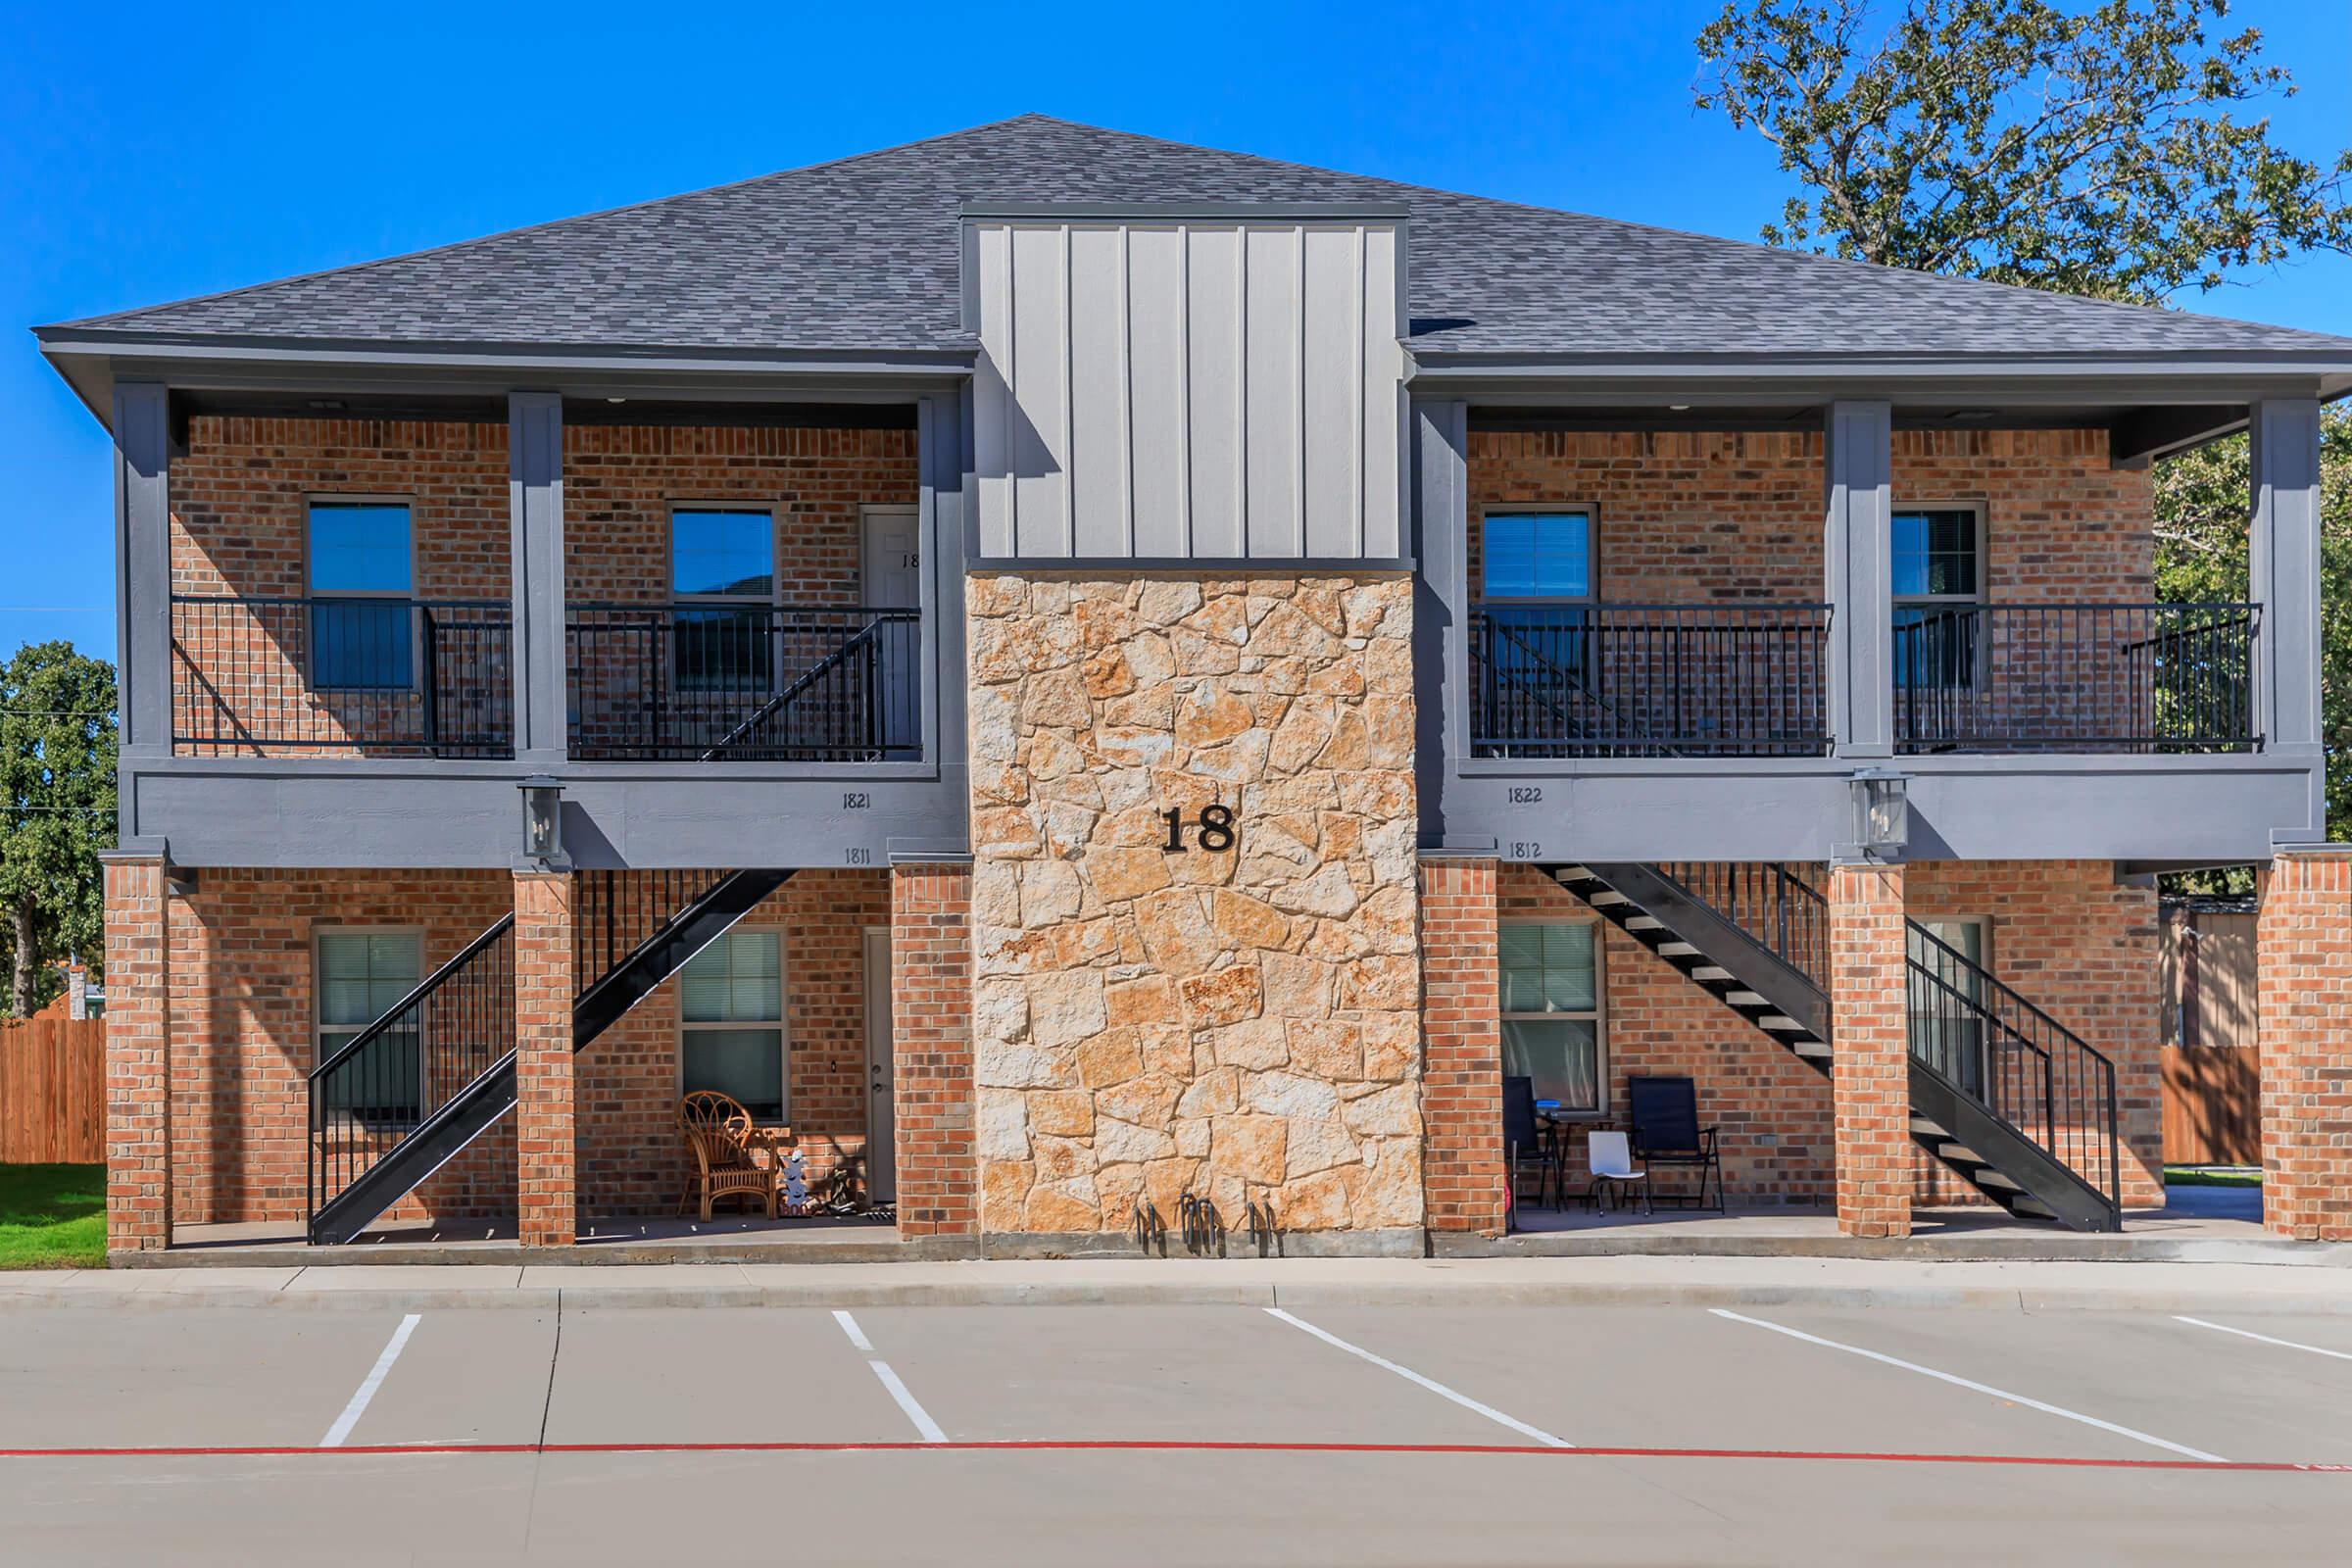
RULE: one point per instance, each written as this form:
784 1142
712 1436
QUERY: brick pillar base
1871 1065
2303 1017
1461 1029
931 1030
546 1192
138 1085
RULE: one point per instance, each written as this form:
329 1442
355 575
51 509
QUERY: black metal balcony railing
2075 677
721 682
1648 680
300 676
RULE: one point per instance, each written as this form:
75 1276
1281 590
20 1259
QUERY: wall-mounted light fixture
1881 812
542 819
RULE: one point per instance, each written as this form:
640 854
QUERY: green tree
57 811
2091 153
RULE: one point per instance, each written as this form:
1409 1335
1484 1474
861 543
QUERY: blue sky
148 153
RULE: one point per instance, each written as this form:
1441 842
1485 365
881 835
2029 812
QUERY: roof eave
2324 369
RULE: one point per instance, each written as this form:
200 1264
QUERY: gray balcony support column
143 569
1440 544
1858 473
535 494
942 462
2284 578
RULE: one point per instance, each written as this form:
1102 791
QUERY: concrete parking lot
1182 1433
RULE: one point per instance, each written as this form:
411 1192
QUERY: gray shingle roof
861 253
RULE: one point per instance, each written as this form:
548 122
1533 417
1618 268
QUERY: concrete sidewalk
2030 1287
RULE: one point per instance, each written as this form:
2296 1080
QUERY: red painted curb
1171 1445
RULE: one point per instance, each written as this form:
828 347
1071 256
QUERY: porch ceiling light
542 819
1882 811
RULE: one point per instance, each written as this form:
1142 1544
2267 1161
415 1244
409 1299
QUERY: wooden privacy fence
2212 1066
53 1092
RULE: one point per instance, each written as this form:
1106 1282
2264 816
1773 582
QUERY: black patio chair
1666 1133
1525 1149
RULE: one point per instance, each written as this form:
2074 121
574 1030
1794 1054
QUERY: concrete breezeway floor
1344 1434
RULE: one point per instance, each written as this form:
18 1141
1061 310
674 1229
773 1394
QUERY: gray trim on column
1441 528
2283 577
535 490
143 566
940 462
1857 476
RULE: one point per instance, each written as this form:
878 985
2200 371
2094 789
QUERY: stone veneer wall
1242 1024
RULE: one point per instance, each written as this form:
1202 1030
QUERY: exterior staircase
2017 1106
406 1095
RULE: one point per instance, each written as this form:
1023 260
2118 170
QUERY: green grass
2206 1176
52 1216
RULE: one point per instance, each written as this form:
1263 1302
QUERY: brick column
931 1028
1871 1065
1461 1028
2303 1019
138 1082
546 1193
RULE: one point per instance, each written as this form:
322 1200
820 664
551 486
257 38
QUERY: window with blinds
361 976
1551 985
731 1023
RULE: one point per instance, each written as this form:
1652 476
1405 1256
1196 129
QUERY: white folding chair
1609 1156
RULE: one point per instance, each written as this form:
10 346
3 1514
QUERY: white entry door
892 569
881 1076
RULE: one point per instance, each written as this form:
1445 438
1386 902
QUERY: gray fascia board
537 359
2191 377
2242 763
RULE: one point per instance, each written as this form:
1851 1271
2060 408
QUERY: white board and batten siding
1200 386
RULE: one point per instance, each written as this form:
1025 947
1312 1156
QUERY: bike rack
1203 1227
1258 1222
1149 1228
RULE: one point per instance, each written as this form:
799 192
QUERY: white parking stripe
367 1390
1979 1388
2249 1333
1431 1384
924 1427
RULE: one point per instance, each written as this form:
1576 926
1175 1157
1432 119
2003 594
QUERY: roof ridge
540 228
1757 247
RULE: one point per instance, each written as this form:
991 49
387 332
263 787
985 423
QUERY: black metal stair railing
843 691
376 1090
2036 1078
1771 903
1648 680
614 913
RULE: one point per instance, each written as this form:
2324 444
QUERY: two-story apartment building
1073 670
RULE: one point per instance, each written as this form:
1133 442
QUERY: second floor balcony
1609 680
396 677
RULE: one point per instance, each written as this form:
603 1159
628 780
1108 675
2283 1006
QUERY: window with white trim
360 975
1551 1012
731 1023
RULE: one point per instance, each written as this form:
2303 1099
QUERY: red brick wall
2303 1001
631 1159
620 482
1869 1083
931 998
545 1190
1693 516
139 1152
2083 948
1772 1111
241 961
1461 1072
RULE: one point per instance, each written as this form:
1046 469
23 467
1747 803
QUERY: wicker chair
732 1158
